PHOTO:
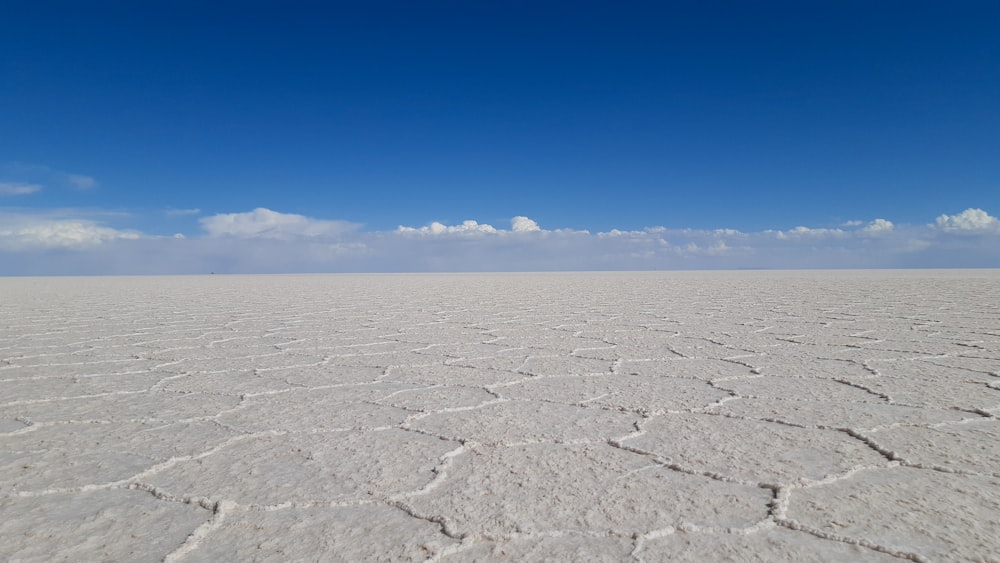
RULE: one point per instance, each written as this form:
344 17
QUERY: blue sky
183 137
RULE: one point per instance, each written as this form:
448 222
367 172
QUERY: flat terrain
757 416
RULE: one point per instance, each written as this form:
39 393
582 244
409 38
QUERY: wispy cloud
81 182
264 223
41 175
264 240
18 188
808 233
180 212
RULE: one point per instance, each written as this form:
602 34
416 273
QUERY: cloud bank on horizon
474 136
267 241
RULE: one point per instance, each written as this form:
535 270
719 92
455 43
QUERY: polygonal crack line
714 404
422 387
738 360
949 470
76 377
406 428
471 540
222 508
56 399
894 457
718 382
581 404
160 494
136 481
856 385
123 483
425 413
909 355
29 426
33 426
440 471
667 464
445 525
573 353
244 396
980 416
428 386
226 426
158 386
760 419
689 528
799 527
979 371
741 352
981 412
265 370
584 402
527 377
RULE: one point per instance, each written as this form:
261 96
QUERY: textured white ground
783 416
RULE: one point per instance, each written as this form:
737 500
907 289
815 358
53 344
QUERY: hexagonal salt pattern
753 416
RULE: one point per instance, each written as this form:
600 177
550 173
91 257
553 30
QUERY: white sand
797 416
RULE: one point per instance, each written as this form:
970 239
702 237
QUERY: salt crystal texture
690 416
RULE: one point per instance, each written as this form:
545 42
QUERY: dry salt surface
780 416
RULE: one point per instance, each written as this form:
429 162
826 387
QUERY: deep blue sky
583 115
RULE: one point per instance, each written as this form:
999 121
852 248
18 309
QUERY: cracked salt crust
752 451
511 422
798 389
695 368
621 392
776 544
836 414
808 416
497 491
108 525
930 514
344 533
563 547
970 447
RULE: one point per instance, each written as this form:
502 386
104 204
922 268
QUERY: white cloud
468 227
969 221
728 232
266 241
614 233
618 233
521 224
644 233
878 226
18 188
264 223
61 234
806 232
718 248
